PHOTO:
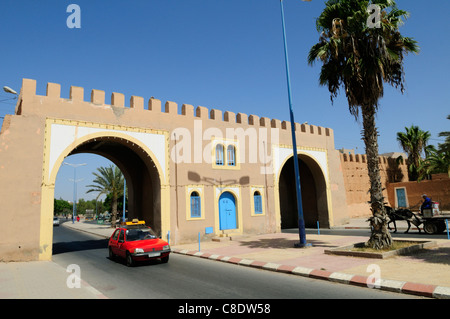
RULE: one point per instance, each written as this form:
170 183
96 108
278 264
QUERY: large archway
139 170
141 154
313 191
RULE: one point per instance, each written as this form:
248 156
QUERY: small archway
313 191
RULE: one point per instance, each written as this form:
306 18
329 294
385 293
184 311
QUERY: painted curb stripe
431 291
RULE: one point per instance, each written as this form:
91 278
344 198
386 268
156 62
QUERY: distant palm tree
361 58
446 134
109 180
437 161
415 143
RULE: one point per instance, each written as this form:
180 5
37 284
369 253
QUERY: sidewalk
426 273
41 280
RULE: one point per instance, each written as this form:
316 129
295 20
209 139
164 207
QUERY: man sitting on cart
426 203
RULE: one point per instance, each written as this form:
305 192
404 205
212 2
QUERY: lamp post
7 89
301 221
124 192
74 187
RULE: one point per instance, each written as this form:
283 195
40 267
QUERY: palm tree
109 180
437 161
414 142
446 146
361 59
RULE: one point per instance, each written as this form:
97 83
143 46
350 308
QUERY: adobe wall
356 179
26 190
438 189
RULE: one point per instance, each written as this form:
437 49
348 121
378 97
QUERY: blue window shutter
231 155
196 210
219 154
257 203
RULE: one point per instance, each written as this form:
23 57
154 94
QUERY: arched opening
227 211
257 203
231 155
196 206
313 191
140 173
219 155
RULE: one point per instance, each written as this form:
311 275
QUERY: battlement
362 158
137 104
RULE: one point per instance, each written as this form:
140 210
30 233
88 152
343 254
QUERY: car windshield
140 234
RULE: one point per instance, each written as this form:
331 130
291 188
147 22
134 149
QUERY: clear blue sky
224 54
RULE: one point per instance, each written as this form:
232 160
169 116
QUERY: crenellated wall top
362 158
137 103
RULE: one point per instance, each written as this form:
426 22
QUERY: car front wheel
165 259
111 254
130 261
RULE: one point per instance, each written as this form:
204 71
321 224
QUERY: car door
121 249
113 241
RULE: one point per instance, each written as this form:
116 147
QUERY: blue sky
224 54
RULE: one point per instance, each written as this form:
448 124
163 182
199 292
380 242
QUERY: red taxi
134 241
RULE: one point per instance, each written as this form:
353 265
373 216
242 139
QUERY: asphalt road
188 278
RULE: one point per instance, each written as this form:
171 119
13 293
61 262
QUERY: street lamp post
124 192
7 89
74 210
75 186
301 221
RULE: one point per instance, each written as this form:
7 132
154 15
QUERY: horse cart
433 220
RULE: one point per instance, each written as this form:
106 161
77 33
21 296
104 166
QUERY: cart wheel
430 228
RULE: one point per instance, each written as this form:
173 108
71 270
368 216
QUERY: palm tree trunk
380 237
114 211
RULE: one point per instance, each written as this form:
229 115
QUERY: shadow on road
66 247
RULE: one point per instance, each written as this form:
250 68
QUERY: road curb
431 291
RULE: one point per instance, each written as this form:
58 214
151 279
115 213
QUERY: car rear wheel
130 261
111 254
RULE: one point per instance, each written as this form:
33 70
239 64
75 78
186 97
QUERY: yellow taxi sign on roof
135 222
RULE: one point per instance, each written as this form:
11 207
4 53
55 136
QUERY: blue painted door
227 211
401 197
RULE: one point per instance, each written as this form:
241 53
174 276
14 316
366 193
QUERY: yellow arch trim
48 182
326 179
101 135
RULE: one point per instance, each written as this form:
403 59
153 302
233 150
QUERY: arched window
219 154
231 155
196 209
257 202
